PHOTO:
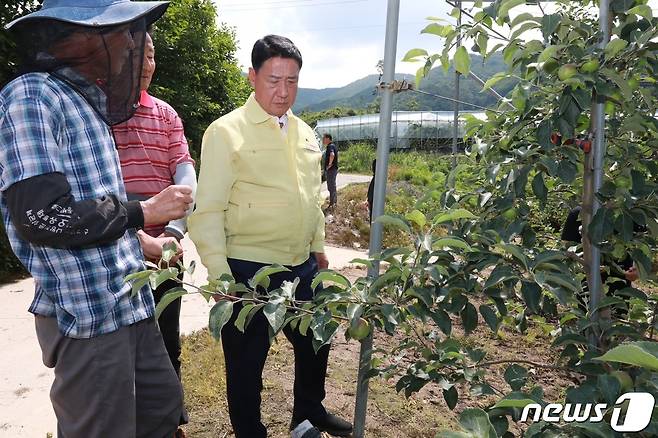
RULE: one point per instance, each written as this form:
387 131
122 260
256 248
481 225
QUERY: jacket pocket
265 221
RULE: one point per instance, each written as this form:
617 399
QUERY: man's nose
283 89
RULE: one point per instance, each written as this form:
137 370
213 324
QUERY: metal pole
593 181
455 128
378 202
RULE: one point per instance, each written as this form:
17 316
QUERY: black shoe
330 423
314 432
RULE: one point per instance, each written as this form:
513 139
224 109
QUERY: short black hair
329 137
272 46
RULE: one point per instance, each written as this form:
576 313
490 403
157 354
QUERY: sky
340 40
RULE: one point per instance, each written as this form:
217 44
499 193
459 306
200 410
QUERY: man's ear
252 77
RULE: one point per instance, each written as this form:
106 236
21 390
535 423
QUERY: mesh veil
103 64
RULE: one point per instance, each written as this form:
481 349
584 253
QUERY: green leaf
304 324
490 317
139 279
168 298
640 354
332 276
516 252
169 250
551 51
190 269
549 24
451 396
516 376
476 421
442 321
450 242
262 276
602 225
394 222
505 6
453 215
500 274
531 293
566 170
413 54
160 277
438 29
613 47
539 188
416 217
494 80
388 277
642 11
424 294
510 403
365 262
241 320
275 314
525 16
463 60
219 315
391 317
525 27
469 318
619 81
137 275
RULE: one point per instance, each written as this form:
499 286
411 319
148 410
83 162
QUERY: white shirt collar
283 122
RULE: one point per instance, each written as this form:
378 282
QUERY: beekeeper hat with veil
96 46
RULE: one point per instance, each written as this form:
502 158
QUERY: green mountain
361 93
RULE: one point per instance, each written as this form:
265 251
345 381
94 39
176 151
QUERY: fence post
383 145
592 180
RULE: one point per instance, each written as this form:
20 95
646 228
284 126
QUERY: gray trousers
331 185
121 384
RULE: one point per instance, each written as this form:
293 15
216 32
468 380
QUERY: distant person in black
371 189
620 278
331 168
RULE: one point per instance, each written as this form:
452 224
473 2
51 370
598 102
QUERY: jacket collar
257 114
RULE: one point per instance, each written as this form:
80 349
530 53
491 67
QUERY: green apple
359 329
590 66
567 71
550 65
510 214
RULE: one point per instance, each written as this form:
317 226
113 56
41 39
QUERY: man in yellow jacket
258 203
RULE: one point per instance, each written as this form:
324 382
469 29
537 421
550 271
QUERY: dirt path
345 179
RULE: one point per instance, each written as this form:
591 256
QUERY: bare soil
390 415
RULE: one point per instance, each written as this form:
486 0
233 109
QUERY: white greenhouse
409 129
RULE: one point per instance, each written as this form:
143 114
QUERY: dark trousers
120 384
245 355
169 323
331 185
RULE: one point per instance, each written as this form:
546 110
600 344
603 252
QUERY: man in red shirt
154 155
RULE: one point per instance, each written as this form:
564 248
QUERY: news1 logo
638 408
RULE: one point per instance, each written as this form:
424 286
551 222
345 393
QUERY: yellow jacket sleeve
317 244
207 224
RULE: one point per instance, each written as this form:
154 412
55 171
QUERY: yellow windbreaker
258 197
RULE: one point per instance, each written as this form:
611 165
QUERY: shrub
10 267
